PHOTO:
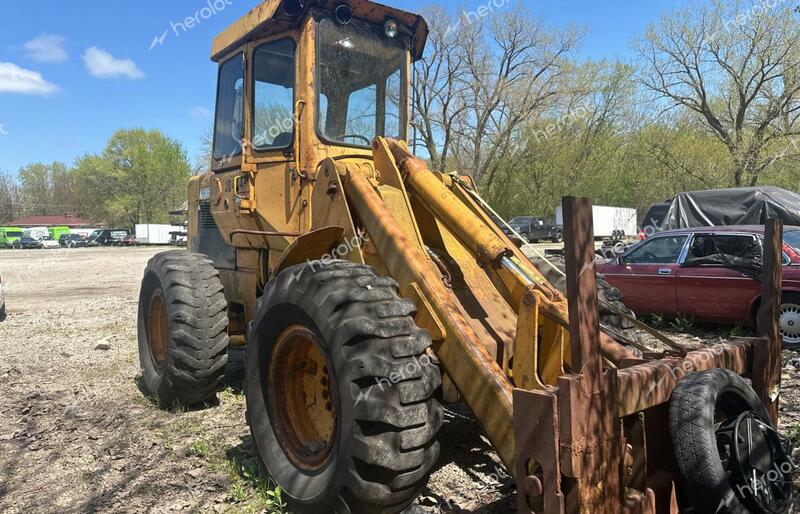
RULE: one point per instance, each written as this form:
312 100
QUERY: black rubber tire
610 296
692 427
197 324
559 238
234 370
385 445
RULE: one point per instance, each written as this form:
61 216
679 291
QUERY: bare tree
438 88
516 67
734 64
481 80
10 206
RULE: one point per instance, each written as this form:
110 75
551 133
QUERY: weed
738 331
201 448
683 324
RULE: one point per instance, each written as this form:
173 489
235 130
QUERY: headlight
343 14
391 29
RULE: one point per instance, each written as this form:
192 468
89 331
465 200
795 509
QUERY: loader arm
532 350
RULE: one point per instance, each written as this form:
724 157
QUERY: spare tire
728 452
610 298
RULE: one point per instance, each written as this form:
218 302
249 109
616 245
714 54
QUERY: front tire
339 390
182 326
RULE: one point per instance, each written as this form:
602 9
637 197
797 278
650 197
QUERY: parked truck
156 234
8 235
107 237
609 222
534 229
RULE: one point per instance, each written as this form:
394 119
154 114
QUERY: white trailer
155 234
609 221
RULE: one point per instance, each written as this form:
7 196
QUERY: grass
247 491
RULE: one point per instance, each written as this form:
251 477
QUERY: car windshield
792 239
361 77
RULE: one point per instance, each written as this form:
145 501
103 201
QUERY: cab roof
270 17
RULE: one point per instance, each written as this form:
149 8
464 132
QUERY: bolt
533 486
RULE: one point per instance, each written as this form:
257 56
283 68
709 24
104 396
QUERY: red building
66 220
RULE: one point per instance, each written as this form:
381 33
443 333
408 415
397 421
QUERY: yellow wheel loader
363 291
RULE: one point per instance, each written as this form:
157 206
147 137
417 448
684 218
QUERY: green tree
46 189
139 177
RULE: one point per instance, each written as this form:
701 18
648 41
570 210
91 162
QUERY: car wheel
730 455
559 237
789 321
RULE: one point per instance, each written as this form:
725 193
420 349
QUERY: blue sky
73 72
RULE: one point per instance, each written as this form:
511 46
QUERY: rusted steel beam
650 384
590 438
767 357
475 373
584 326
536 430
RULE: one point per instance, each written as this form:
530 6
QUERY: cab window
360 78
228 125
273 95
661 250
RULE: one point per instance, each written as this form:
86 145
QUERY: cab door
647 274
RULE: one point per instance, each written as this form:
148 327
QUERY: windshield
361 78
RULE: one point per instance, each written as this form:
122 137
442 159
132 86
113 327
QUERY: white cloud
103 65
14 79
200 112
47 48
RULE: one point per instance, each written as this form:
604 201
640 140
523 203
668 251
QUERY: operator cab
317 77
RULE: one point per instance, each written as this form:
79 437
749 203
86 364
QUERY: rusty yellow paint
269 18
526 345
426 317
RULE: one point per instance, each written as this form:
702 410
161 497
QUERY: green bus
57 232
8 235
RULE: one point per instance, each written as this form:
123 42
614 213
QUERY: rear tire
373 446
183 322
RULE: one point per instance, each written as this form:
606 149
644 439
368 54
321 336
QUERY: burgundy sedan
709 273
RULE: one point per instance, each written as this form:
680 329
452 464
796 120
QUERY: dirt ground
77 435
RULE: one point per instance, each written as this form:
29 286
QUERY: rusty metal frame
582 446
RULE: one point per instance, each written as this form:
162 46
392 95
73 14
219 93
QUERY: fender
309 247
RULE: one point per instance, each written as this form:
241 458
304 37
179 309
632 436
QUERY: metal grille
206 219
